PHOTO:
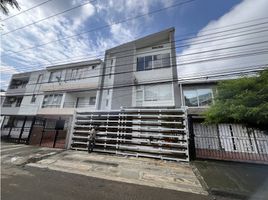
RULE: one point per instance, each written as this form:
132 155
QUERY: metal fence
234 142
153 133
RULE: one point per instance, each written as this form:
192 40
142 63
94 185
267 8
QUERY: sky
87 31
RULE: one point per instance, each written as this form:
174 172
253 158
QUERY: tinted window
140 64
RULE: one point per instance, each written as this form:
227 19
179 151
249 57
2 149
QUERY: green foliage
243 100
4 3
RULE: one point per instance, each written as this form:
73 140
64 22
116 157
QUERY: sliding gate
154 133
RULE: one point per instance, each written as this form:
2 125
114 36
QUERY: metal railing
233 142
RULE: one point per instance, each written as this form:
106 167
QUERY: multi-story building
141 73
137 74
49 95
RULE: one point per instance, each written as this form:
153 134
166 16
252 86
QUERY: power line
175 47
51 16
184 45
180 46
114 23
175 40
253 68
173 65
38 5
205 59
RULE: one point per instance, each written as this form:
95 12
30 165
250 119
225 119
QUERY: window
154 61
198 97
93 67
52 100
92 100
78 73
153 93
204 97
108 91
18 102
33 99
190 97
55 76
157 61
165 60
81 102
140 64
158 92
148 62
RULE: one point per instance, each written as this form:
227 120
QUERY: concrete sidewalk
234 180
141 171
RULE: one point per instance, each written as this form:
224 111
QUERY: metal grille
230 142
154 133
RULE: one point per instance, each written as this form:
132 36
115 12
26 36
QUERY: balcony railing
51 106
79 105
11 105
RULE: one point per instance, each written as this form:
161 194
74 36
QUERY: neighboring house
49 95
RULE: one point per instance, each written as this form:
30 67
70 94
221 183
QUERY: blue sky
194 17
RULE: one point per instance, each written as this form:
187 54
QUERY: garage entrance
153 133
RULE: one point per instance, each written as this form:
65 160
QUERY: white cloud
8 70
245 11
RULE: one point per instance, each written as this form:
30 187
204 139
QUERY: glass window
148 62
52 100
55 76
166 60
158 92
190 97
140 64
157 61
204 97
92 100
33 99
198 97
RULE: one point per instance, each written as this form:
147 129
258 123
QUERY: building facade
141 73
49 95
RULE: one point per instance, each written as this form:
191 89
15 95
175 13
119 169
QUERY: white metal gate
154 133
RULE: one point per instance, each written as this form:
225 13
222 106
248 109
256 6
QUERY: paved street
235 179
22 181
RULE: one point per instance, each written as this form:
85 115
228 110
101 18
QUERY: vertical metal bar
12 123
192 151
22 129
55 138
44 124
30 131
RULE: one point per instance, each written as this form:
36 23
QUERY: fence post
31 129
22 129
192 152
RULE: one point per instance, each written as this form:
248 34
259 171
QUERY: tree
4 3
243 100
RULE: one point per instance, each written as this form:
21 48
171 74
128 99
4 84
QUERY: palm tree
4 3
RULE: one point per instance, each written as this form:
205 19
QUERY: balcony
18 85
11 106
68 86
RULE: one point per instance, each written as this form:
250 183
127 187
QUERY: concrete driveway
42 173
141 171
